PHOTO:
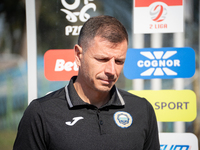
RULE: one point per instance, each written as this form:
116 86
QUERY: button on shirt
63 121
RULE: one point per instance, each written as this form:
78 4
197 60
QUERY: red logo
59 64
158 12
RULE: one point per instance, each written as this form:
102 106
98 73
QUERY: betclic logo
59 64
164 63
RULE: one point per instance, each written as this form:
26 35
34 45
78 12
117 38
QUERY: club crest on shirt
123 119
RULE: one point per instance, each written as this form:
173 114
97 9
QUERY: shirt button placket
100 121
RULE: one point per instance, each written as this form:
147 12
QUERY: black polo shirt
62 121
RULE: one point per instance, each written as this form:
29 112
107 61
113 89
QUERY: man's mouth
108 81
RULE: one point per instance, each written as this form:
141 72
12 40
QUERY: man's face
101 64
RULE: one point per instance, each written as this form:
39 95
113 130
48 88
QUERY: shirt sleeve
152 138
31 131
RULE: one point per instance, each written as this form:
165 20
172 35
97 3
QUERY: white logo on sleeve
75 120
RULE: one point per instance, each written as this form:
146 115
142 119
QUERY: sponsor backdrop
150 16
164 16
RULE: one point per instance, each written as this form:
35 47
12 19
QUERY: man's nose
110 67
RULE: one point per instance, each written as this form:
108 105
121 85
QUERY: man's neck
92 96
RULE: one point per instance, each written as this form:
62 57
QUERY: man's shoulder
132 98
58 94
126 94
50 99
50 102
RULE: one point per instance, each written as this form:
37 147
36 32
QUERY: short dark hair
106 27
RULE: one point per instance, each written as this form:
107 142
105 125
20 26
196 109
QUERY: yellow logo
171 105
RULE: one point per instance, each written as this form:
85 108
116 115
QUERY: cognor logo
164 63
158 11
73 16
159 63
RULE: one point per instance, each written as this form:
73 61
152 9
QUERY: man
91 113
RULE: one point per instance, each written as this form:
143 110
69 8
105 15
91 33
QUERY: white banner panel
178 141
153 16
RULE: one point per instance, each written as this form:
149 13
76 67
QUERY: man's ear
78 54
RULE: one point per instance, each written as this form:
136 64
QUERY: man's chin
105 88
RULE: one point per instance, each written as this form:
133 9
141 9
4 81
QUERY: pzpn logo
158 63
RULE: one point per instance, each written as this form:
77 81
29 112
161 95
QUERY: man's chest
94 129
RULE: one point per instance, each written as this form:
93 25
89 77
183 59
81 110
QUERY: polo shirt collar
74 100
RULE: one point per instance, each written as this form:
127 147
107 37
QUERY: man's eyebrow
101 56
120 59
